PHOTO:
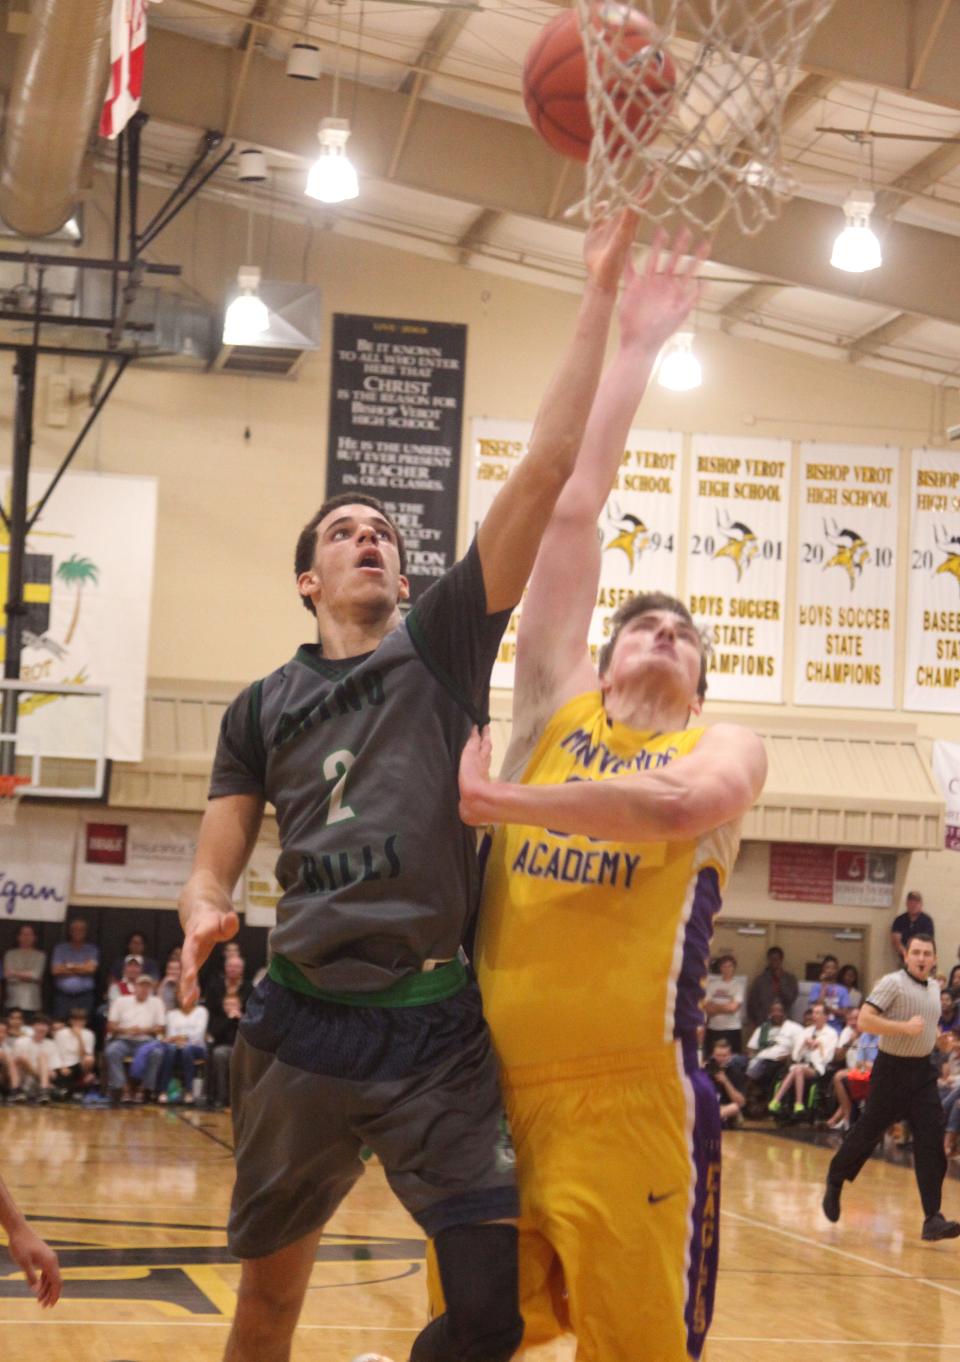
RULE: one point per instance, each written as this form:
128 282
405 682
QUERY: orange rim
9 785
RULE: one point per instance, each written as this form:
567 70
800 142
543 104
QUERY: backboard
54 734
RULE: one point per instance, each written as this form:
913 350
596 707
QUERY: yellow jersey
591 949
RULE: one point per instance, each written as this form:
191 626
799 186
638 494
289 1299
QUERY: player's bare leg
269 1302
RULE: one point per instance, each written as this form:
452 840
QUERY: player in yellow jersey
603 878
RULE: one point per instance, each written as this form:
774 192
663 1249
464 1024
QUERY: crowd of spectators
122 1039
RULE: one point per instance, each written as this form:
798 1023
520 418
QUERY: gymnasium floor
135 1202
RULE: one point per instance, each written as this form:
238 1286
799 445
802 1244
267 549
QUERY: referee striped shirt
898 996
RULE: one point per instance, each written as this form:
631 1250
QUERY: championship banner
639 526
946 771
36 857
134 856
846 577
932 678
737 562
261 889
395 428
89 580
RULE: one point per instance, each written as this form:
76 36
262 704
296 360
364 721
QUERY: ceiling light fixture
303 61
251 166
857 248
247 316
679 367
332 177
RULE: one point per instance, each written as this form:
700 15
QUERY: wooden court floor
135 1203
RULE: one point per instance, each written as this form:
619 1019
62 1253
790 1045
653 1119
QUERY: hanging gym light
247 317
679 367
857 248
332 177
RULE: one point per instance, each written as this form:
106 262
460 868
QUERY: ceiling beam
439 41
917 180
748 302
488 162
477 233
886 334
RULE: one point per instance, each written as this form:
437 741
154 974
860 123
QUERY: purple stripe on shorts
688 1013
705 1239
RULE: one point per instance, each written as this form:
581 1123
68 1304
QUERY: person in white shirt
723 1004
75 1043
186 1042
9 1071
812 1054
133 1024
37 1059
771 1044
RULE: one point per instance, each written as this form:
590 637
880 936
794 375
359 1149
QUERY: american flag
128 36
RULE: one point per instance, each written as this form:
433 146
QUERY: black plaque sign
396 417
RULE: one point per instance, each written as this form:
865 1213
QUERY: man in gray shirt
903 1009
23 968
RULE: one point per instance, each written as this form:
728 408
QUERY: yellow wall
230 507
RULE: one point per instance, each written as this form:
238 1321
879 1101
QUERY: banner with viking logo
638 529
932 678
737 561
88 584
846 577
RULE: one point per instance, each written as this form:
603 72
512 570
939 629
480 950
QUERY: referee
903 1010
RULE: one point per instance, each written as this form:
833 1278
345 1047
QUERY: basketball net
712 143
11 788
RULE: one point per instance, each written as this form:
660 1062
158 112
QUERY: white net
686 99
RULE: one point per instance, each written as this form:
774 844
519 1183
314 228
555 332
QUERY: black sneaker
831 1201
937 1227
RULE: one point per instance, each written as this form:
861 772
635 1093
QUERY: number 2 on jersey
336 767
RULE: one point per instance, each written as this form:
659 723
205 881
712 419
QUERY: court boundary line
843 1253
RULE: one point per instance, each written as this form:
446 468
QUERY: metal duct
58 86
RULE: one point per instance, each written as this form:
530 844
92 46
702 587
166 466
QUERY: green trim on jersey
430 986
253 722
448 683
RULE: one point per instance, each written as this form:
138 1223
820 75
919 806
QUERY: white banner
932 679
846 577
36 856
89 581
638 528
134 855
946 770
737 561
261 890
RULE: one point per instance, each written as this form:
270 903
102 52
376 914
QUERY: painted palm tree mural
76 572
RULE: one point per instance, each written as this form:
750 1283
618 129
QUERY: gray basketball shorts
313 1082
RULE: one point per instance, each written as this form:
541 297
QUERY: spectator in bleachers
949 1011
771 1045
831 993
849 977
852 1083
910 924
76 1072
10 1088
126 985
772 984
811 1057
23 967
169 985
953 981
136 947
37 1059
848 1036
948 1085
132 1024
226 999
724 1004
725 1078
73 965
185 1045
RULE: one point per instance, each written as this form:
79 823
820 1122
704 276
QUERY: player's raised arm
716 783
228 834
552 660
510 533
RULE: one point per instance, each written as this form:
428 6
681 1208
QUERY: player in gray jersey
368 1029
903 1009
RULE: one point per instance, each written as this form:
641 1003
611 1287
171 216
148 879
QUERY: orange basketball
555 80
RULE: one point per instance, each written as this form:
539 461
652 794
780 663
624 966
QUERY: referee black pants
900 1090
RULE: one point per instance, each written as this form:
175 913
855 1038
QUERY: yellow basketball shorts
619 1173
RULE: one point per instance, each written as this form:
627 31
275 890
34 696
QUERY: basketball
555 80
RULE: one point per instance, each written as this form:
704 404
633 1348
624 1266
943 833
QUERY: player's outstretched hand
39 1264
658 300
207 927
607 248
913 1027
475 778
